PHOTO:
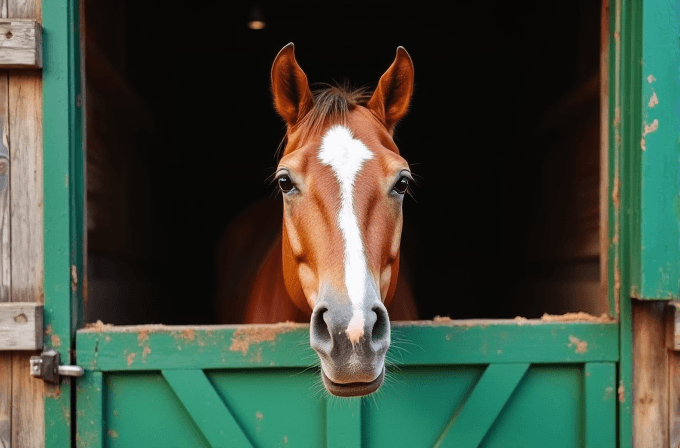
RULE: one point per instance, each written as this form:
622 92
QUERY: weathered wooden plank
650 381
5 272
206 408
20 44
21 326
26 185
473 419
5 249
600 398
287 345
343 423
90 406
26 198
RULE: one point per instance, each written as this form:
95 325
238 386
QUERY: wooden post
650 378
21 253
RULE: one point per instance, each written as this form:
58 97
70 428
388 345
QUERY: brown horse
335 261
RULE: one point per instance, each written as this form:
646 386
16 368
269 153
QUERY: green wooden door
467 384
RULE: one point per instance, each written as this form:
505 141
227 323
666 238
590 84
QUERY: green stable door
508 383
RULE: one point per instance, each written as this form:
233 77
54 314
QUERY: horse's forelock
331 106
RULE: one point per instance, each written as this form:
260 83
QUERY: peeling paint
112 433
651 79
616 195
145 353
254 334
131 359
56 340
621 392
653 101
580 345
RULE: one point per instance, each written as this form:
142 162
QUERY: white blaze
346 155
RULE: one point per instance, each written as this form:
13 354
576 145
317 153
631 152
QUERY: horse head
343 183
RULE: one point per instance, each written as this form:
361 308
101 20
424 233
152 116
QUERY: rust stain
245 336
56 340
113 434
74 277
442 319
98 326
143 336
617 288
146 352
48 330
576 317
52 390
20 318
131 359
580 345
617 117
649 128
616 195
189 334
621 392
654 100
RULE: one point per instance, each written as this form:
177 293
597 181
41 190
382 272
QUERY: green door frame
63 202
628 169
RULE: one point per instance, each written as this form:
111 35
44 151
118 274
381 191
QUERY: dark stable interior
503 135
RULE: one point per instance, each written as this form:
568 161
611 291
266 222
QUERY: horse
334 261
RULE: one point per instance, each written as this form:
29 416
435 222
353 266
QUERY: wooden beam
5 269
206 407
473 419
343 423
26 221
20 43
21 326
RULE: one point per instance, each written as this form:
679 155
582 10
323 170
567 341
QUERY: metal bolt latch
46 366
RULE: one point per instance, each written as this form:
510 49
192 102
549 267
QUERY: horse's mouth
352 389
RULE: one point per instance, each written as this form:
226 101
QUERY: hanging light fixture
256 18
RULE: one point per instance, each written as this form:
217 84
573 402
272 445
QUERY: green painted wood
90 408
600 405
206 408
470 423
63 191
657 258
154 348
343 423
625 188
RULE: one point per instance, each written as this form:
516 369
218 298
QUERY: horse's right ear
292 96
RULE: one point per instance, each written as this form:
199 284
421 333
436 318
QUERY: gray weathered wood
674 342
5 270
650 378
20 43
21 326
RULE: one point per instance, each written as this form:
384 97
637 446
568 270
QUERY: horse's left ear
292 96
392 96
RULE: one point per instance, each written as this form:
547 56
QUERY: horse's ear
390 100
292 96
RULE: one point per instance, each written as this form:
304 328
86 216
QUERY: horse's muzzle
351 365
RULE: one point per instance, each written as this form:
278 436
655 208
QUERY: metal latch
46 366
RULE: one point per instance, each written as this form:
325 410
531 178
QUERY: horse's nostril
381 324
319 326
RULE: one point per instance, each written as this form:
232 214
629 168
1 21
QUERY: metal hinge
46 366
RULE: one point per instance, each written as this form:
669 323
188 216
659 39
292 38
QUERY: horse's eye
402 185
285 184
